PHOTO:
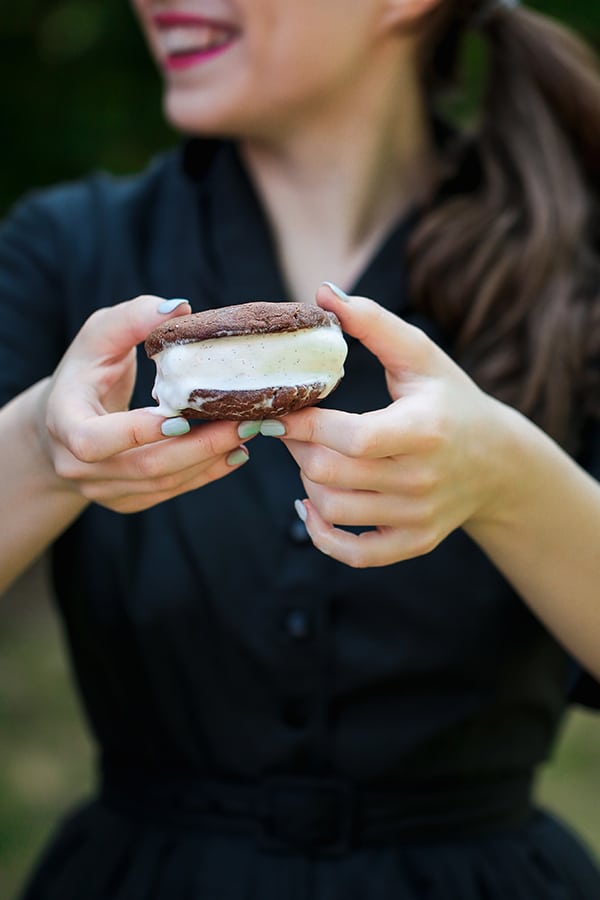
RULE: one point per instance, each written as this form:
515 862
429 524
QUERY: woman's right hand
114 456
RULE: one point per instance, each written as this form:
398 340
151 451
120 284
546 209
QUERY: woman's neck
335 186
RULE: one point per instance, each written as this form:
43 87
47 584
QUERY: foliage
83 93
80 92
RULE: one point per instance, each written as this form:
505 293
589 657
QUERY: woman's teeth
192 39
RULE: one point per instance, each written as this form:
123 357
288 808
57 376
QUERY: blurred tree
79 91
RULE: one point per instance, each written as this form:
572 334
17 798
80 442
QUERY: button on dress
270 723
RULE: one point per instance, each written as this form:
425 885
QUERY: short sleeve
31 318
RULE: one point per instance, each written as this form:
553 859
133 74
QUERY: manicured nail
342 295
300 510
272 428
248 429
237 457
174 427
167 306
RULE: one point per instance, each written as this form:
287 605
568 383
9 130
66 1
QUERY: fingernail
248 429
300 510
237 457
174 427
342 295
167 306
271 428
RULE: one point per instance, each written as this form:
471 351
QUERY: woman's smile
254 66
185 40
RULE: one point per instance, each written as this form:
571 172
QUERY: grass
46 758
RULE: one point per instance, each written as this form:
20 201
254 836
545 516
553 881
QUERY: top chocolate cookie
258 317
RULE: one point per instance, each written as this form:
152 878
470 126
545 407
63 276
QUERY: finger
91 437
112 331
368 509
169 485
320 465
392 431
136 502
400 347
201 446
407 475
369 549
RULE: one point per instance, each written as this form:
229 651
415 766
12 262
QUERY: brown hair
506 258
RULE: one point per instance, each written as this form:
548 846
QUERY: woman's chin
187 112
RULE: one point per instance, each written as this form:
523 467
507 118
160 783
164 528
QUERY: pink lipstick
186 40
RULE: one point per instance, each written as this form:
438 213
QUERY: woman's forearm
545 536
36 504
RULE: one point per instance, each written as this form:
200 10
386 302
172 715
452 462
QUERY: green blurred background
79 93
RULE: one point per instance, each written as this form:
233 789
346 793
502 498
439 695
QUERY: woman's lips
185 40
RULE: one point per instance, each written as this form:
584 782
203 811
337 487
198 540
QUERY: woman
355 710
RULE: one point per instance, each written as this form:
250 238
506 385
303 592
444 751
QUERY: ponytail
506 258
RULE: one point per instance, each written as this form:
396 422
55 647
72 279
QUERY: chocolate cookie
250 361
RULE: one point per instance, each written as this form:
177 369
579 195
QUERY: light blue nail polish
248 429
272 428
174 427
237 457
300 510
167 306
339 293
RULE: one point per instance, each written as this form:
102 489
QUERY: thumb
112 331
396 344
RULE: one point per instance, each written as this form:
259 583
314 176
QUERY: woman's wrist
533 480
30 409
511 456
42 504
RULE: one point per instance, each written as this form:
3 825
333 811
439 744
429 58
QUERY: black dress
270 723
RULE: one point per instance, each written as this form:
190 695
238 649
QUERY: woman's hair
506 257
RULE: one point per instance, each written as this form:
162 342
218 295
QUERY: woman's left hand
414 471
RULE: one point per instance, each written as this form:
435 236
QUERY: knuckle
137 437
312 425
167 484
358 556
328 506
423 515
66 466
363 442
81 445
51 425
438 427
148 465
93 491
424 540
318 468
424 482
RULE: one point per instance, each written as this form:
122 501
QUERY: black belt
320 815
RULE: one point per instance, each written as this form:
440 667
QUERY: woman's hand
443 455
414 471
125 460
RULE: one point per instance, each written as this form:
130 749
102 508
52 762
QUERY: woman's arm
71 439
445 455
37 505
544 535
